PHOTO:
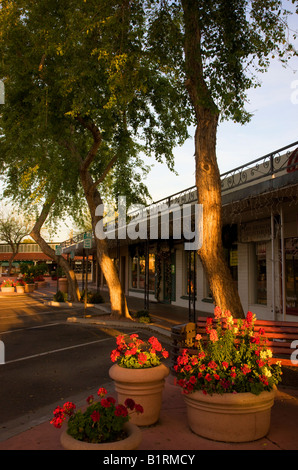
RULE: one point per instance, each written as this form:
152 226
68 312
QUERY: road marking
34 313
31 328
57 350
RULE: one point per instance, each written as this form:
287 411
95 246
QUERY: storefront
260 241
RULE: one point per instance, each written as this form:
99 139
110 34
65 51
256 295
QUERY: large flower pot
239 417
63 285
131 442
144 386
29 288
20 289
7 290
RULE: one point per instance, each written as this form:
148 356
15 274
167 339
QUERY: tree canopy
66 63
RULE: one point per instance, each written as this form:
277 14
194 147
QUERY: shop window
261 274
190 283
138 274
134 272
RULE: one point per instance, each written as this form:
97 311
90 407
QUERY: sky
274 125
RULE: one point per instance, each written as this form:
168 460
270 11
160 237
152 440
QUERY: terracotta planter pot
7 290
144 386
63 285
29 288
20 289
240 417
132 441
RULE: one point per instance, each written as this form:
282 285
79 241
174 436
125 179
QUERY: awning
6 263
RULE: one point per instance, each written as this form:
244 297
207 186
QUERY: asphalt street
48 360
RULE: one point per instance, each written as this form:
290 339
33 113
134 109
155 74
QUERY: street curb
122 324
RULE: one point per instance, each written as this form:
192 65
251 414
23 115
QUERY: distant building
28 253
260 238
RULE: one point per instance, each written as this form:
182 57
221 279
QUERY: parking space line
57 350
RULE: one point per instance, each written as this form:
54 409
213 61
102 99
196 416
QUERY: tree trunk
208 183
10 261
73 289
117 298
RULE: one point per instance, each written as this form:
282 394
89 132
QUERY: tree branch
105 172
90 126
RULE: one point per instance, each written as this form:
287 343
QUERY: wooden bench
280 335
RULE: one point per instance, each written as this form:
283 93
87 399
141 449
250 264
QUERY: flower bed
232 358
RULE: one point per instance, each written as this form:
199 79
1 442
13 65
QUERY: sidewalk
171 433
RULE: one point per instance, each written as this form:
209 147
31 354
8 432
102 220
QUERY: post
86 283
283 270
273 264
57 275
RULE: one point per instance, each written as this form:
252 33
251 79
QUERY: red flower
208 377
129 403
90 399
212 365
131 352
249 317
111 400
105 403
217 312
69 408
142 358
155 343
95 416
114 354
245 369
139 408
213 336
121 410
102 392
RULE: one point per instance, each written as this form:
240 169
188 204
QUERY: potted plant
20 286
39 281
139 373
29 283
7 286
229 383
104 425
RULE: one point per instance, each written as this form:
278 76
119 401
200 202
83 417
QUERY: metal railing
274 164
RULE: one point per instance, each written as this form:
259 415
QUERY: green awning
6 263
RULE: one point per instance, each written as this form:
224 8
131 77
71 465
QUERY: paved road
47 360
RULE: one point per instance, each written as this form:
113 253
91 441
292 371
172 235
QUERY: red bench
281 338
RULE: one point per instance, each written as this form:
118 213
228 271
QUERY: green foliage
237 40
60 296
232 358
102 421
72 62
92 297
143 316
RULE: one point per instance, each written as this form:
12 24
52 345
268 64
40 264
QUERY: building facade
260 239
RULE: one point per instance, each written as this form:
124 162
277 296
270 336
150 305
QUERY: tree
225 43
81 75
13 228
